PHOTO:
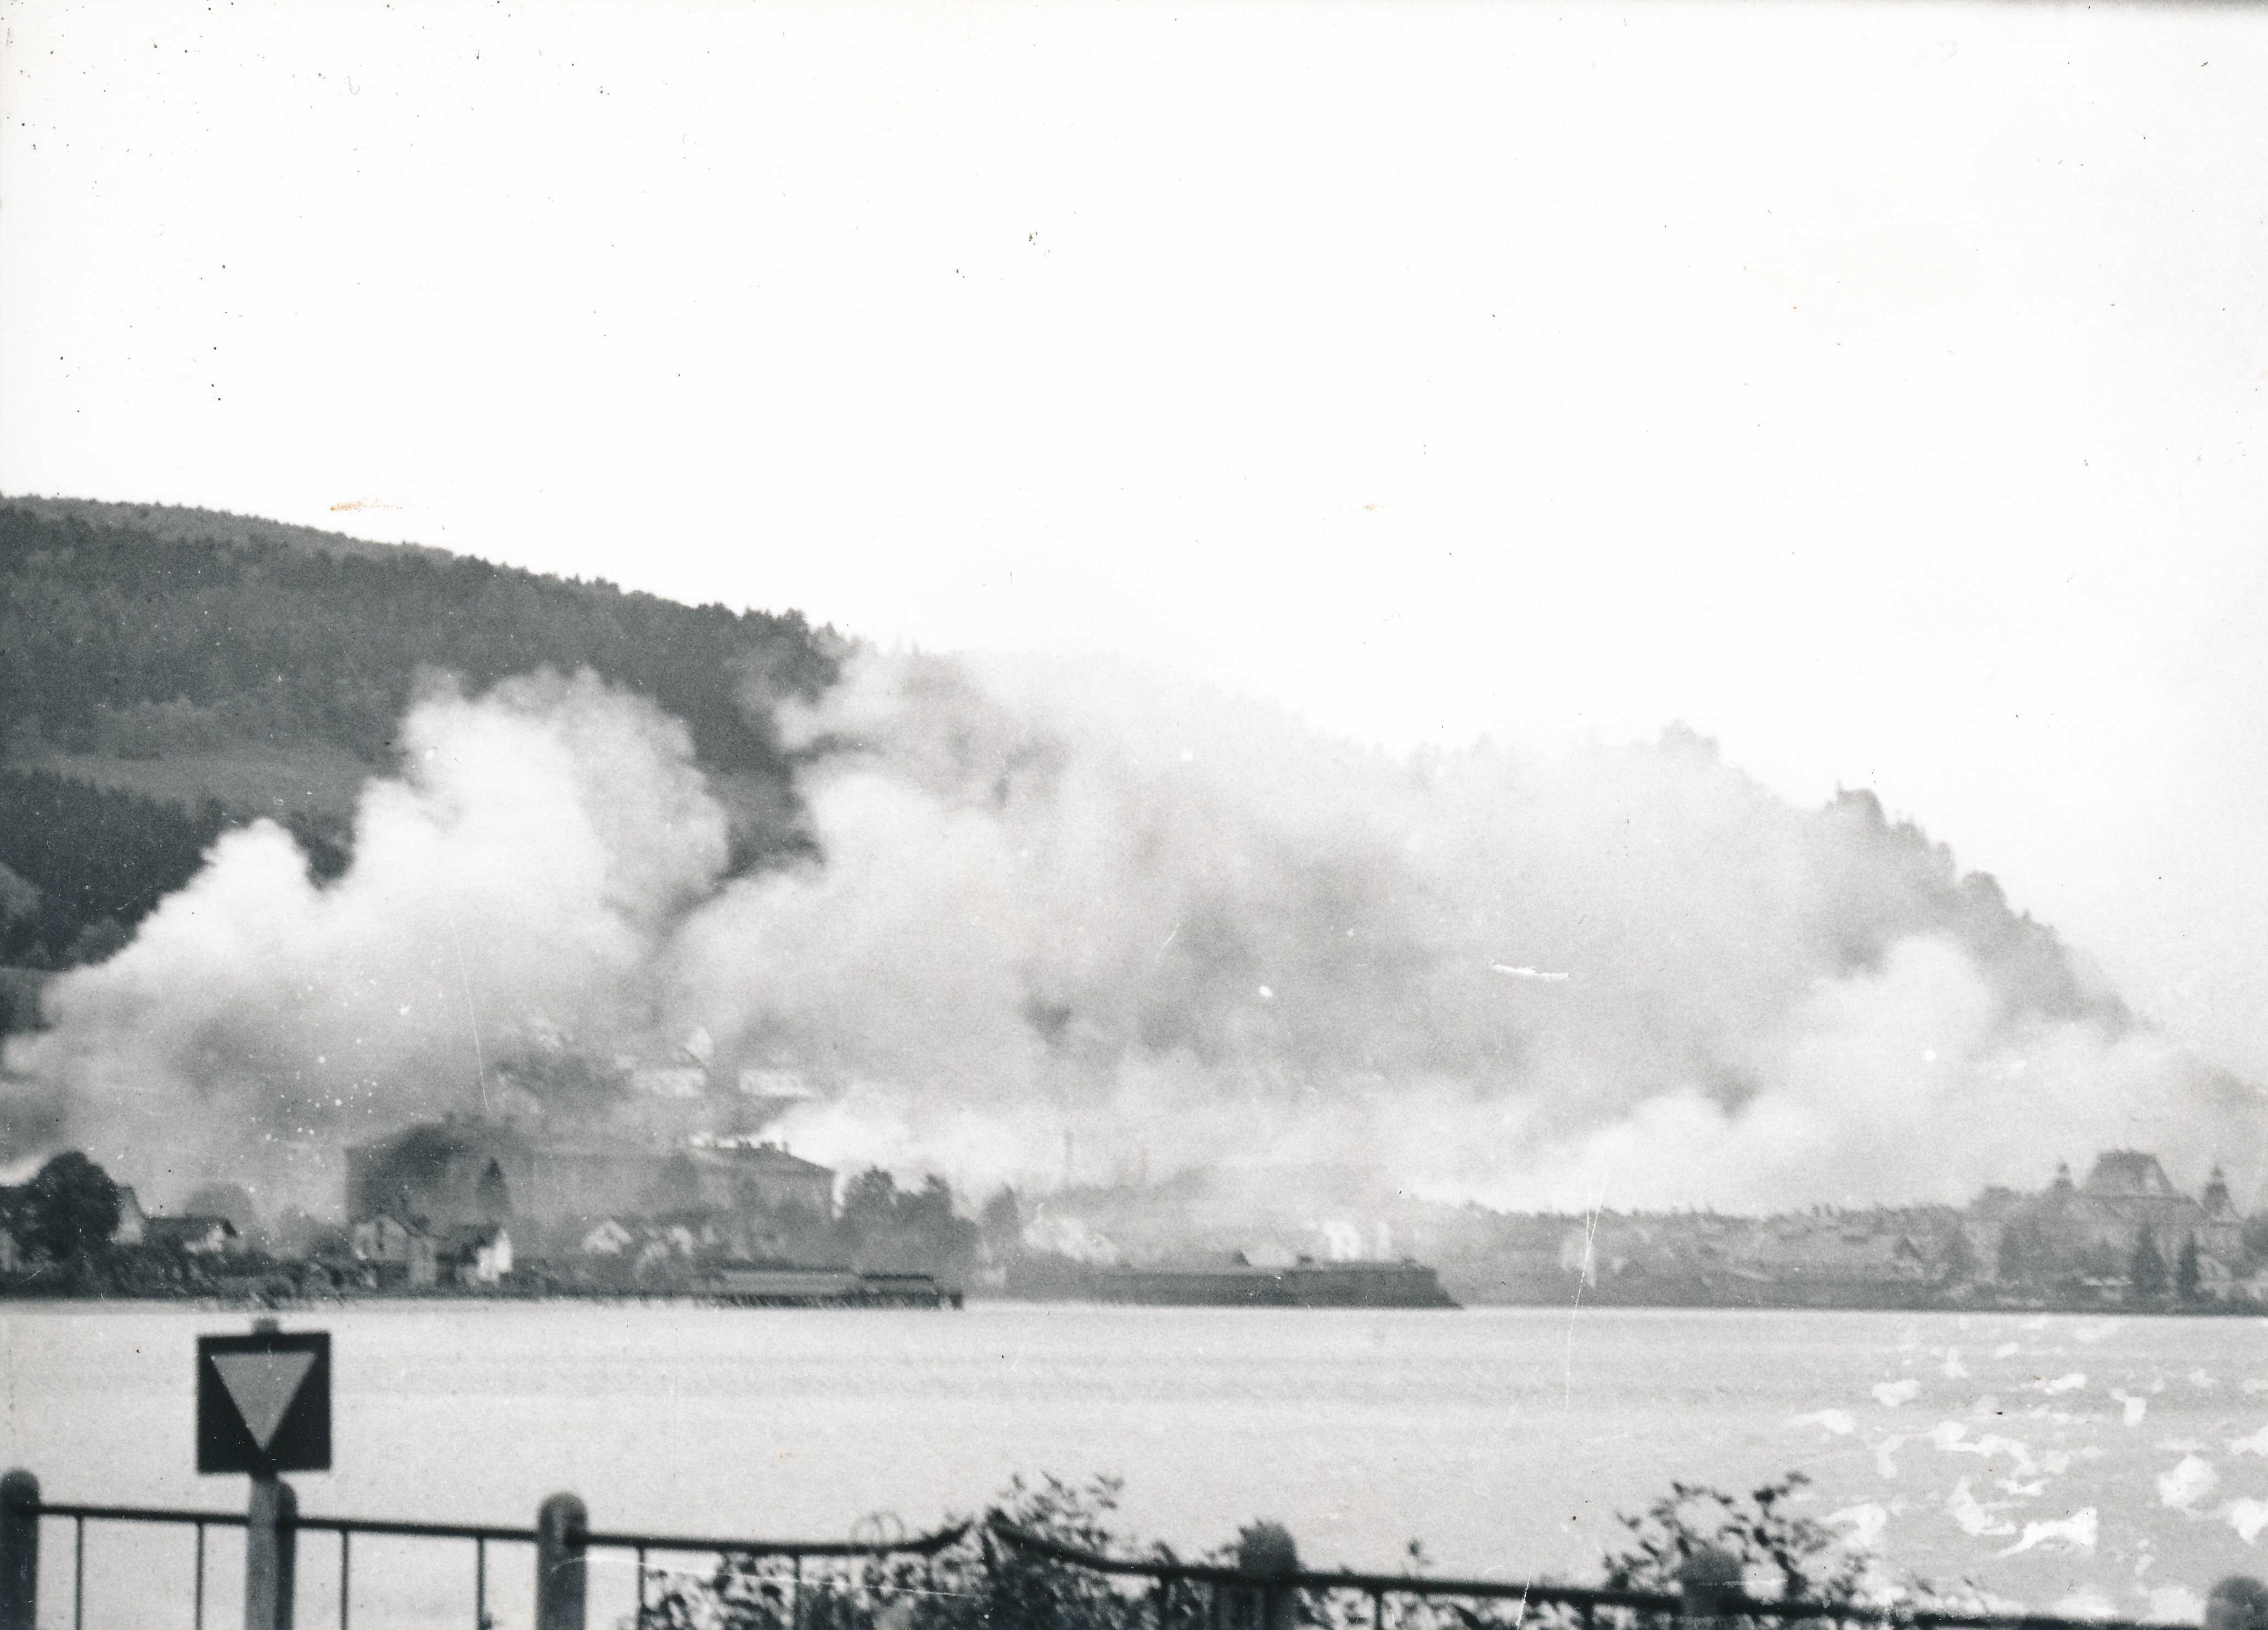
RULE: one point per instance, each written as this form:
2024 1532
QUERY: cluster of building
2125 1233
186 1235
479 1203
442 1203
2125 1223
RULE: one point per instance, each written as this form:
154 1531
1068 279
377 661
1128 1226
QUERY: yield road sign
264 1402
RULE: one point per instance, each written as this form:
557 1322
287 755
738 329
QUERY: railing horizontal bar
318 1524
142 1513
925 1544
414 1531
1408 1584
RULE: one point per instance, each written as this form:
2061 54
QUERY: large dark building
460 1172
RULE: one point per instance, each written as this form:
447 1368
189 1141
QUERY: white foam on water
2256 1444
2136 1405
2070 1382
2077 1531
1890 1394
2248 1518
1865 1524
1951 1438
1972 1514
1835 1421
2191 1480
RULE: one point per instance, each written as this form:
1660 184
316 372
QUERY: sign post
264 1408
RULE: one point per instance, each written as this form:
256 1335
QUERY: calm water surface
2117 1462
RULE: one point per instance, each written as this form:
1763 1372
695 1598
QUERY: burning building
462 1172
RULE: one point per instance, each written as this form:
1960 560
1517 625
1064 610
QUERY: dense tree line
99 860
882 1226
85 864
99 626
118 642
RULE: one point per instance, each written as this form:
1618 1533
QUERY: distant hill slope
165 673
177 524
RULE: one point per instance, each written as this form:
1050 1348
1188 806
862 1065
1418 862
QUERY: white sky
1881 389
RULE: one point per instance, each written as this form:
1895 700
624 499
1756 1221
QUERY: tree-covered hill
133 639
179 523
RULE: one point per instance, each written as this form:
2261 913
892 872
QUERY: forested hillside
179 523
262 646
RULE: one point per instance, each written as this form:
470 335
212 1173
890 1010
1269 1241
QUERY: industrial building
469 1172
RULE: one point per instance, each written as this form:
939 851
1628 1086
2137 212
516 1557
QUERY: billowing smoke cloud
1189 931
1058 899
493 941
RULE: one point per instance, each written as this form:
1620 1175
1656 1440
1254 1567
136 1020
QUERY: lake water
2120 1464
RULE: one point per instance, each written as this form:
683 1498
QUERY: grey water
2114 1465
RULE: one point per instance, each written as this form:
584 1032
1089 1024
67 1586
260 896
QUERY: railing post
271 1544
2237 1603
1266 1552
561 1523
1708 1581
19 1551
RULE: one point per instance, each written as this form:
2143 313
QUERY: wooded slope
136 641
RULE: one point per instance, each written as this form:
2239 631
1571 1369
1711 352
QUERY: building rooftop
2129 1173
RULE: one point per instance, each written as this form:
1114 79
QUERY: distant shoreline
396 1301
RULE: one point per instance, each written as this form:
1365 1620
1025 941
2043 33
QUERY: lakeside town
471 1208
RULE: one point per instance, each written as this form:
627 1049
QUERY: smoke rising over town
1054 905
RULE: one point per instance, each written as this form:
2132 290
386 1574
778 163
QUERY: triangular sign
262 1386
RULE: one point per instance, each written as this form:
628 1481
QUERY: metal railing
1009 1576
345 1528
1243 1597
796 1554
563 1542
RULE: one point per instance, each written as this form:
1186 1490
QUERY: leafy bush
973 1584
982 1583
1759 1532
